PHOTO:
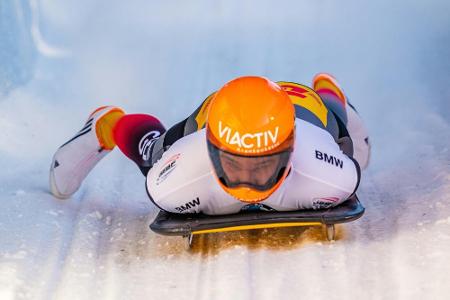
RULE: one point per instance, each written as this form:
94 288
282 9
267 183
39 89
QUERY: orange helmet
250 134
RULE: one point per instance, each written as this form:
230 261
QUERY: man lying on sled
253 144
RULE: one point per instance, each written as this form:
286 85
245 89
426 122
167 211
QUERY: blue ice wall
17 50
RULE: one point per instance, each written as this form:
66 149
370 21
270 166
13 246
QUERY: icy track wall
59 60
17 53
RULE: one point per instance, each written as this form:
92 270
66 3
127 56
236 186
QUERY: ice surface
59 60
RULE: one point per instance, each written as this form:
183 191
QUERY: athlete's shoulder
305 98
201 114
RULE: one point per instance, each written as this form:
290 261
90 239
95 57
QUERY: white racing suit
181 178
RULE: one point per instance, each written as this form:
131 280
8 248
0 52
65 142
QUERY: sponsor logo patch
258 141
146 142
167 168
324 203
191 204
329 159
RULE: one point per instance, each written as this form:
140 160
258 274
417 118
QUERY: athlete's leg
332 95
136 136
359 135
350 123
143 138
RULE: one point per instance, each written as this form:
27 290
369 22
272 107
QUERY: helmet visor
257 172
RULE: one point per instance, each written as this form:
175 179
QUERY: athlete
253 144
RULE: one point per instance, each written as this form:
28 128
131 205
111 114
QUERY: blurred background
59 60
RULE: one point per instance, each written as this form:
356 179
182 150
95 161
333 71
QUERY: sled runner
188 225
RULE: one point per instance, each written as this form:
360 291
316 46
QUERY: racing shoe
74 160
328 88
